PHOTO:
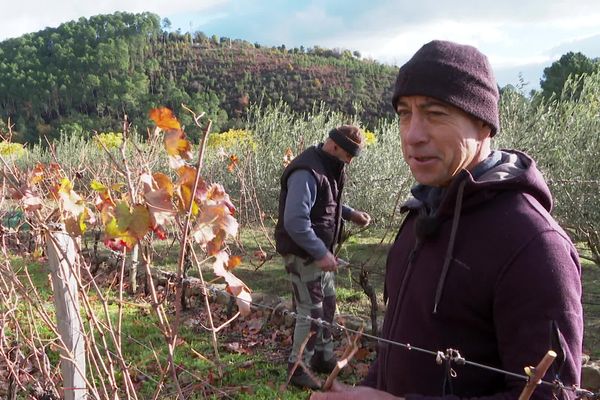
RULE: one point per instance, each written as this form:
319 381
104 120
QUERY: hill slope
88 74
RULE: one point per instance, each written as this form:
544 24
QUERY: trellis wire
450 354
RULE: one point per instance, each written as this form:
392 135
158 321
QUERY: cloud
33 15
590 46
515 34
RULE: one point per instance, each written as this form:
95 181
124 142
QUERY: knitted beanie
453 73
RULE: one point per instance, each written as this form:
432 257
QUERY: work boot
301 379
318 364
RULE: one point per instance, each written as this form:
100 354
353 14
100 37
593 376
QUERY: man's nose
415 131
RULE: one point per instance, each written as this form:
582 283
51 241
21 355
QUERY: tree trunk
366 286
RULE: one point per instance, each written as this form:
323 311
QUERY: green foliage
90 73
91 67
569 65
563 136
375 179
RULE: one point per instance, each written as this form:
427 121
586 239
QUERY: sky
520 37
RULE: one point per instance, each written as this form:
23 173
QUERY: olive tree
563 136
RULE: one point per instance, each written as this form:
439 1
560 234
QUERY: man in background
307 231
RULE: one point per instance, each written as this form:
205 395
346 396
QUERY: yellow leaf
112 229
177 145
97 186
163 182
186 198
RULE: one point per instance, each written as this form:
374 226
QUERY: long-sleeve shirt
301 196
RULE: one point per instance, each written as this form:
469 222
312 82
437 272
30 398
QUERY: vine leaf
30 200
127 226
288 156
164 118
74 208
234 285
178 148
233 162
158 198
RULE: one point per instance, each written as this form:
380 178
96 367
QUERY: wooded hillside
88 74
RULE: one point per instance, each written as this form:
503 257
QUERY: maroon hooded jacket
490 274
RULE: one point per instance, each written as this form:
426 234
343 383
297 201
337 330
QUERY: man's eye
436 113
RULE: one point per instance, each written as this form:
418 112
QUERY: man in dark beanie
479 269
307 231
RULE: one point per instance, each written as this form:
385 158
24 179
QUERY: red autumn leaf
233 161
37 174
233 262
115 244
216 193
288 157
159 202
215 245
203 234
260 255
160 232
164 118
362 369
54 168
164 182
213 218
32 203
362 354
187 175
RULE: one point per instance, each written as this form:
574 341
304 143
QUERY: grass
253 350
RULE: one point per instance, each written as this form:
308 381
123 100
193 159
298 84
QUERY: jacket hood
512 171
515 171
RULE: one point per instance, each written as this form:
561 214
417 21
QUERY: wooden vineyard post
536 374
62 261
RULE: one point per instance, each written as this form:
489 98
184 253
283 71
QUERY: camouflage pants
314 296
